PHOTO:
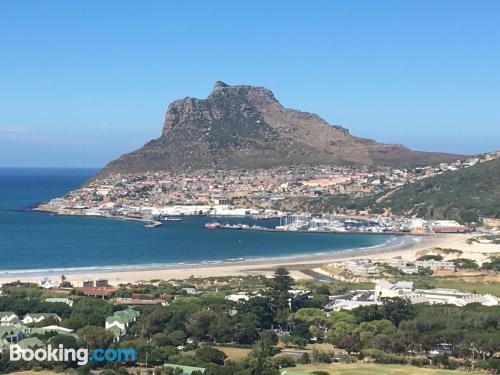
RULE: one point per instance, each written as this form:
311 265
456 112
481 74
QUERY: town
258 194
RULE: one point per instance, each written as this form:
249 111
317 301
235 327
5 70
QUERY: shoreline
265 265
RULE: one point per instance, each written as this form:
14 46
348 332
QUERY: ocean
34 241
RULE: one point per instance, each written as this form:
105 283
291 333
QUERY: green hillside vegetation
464 195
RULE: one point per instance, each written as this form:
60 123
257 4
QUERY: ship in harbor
212 225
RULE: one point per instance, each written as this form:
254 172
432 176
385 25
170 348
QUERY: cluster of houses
10 318
406 290
367 268
14 330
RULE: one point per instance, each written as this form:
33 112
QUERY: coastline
405 246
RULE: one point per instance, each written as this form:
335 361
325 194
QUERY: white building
8 318
38 317
405 289
435 265
385 289
403 266
361 267
237 297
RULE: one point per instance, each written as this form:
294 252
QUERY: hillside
464 194
246 127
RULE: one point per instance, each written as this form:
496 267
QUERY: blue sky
85 81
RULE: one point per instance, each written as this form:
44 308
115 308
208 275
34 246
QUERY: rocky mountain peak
245 126
219 85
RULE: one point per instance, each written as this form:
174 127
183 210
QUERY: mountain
463 194
246 127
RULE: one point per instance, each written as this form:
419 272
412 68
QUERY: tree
284 360
367 313
310 315
397 342
246 329
261 308
464 263
427 342
430 257
279 286
351 343
66 341
88 311
153 320
368 330
260 364
339 331
95 337
198 324
493 265
210 355
396 310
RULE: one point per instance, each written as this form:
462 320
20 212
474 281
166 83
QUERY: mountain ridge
246 127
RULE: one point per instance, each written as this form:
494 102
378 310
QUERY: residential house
8 318
12 334
361 267
403 266
38 317
120 321
31 343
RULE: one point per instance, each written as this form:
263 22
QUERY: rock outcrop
246 127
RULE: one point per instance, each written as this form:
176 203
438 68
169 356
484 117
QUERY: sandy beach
404 246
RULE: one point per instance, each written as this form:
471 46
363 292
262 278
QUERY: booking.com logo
80 356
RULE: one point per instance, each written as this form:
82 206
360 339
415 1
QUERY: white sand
406 247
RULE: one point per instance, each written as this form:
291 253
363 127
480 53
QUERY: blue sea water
41 241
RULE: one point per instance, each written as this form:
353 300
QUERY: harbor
338 224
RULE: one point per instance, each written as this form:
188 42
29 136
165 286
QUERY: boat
172 219
213 225
152 224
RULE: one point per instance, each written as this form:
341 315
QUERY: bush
284 360
304 359
430 257
322 357
419 361
350 359
379 356
210 355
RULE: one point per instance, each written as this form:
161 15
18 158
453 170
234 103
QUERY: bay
41 241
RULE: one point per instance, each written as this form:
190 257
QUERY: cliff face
246 127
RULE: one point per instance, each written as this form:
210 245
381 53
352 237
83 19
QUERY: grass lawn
477 286
369 369
234 354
